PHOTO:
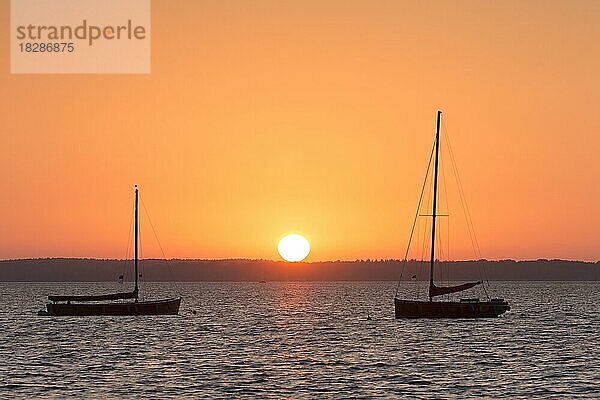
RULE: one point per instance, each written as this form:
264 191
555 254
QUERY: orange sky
316 117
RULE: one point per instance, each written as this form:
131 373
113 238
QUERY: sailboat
431 308
108 304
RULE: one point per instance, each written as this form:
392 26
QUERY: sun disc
293 248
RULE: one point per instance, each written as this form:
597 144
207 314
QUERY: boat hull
158 307
450 309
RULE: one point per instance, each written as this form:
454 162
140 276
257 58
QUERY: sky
262 118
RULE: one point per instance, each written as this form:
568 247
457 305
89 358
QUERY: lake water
301 340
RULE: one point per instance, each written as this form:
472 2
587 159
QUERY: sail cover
114 296
439 291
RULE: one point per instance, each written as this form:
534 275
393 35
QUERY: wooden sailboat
107 304
467 308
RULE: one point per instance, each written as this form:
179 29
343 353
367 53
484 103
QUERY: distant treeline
90 270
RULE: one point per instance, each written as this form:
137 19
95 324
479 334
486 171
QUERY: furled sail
114 296
439 291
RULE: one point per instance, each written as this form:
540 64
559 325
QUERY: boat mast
135 290
433 214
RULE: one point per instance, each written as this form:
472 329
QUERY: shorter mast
135 262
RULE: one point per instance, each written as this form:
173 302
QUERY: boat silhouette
106 304
465 308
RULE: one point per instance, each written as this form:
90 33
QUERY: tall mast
136 242
435 182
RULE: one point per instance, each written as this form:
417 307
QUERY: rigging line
485 279
467 213
417 264
443 261
124 263
421 244
415 220
464 206
169 266
470 225
417 268
440 255
461 194
129 245
445 188
425 243
153 230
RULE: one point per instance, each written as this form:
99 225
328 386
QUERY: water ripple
301 340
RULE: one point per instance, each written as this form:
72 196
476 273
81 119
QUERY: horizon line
366 260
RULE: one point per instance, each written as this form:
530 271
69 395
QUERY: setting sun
293 248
